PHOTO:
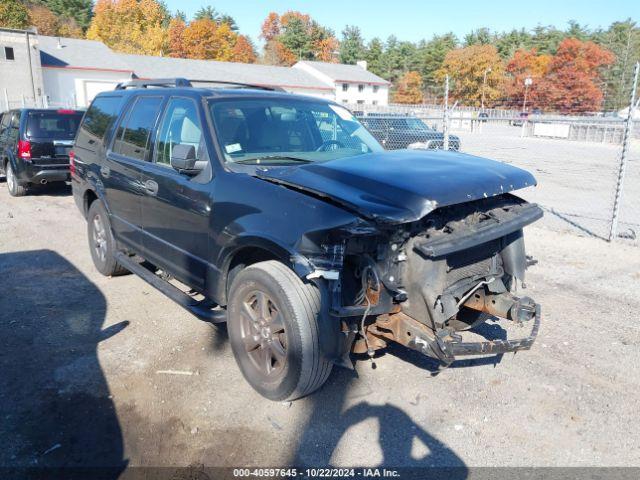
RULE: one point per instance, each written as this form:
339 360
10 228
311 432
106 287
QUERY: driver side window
180 126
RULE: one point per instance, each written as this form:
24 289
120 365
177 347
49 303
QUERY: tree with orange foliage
44 20
526 64
206 40
474 71
572 83
177 26
409 89
243 50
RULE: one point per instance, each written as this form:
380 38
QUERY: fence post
445 120
623 156
6 99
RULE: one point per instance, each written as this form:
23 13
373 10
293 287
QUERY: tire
15 189
274 331
102 245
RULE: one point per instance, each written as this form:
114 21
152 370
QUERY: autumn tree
206 40
574 79
526 64
467 68
409 89
296 36
13 14
175 34
130 26
243 50
45 21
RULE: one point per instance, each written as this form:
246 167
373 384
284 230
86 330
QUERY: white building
20 71
70 72
352 84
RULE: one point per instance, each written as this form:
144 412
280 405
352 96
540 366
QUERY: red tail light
72 164
24 149
63 111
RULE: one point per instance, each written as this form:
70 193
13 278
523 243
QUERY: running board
203 309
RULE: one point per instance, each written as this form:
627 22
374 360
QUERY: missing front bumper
444 345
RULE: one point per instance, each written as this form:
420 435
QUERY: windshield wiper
273 157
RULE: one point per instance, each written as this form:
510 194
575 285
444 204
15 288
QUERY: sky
414 20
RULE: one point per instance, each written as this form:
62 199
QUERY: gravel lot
107 371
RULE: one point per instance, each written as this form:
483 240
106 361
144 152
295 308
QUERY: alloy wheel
99 238
263 335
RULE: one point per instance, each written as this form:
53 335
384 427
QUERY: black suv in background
35 145
281 215
396 132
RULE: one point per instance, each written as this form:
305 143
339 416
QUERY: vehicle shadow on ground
57 189
337 407
55 403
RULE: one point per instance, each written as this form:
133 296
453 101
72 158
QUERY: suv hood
403 185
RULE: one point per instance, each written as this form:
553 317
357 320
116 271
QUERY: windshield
412 124
53 125
275 131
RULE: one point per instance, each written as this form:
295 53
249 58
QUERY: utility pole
527 82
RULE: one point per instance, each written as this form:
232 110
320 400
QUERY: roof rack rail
157 82
241 84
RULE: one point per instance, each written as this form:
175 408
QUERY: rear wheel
15 189
102 245
274 331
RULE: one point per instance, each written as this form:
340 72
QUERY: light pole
484 83
527 83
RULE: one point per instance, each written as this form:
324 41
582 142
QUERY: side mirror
183 157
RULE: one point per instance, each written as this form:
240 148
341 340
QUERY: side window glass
14 128
134 132
180 126
98 119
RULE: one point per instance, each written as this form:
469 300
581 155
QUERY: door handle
105 171
151 187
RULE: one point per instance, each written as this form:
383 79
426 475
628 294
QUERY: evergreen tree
79 10
352 46
374 57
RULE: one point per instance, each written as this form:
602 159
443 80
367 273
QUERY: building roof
60 52
339 72
267 75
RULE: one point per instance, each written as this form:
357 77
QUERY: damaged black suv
281 215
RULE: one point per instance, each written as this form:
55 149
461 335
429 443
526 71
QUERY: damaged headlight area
422 284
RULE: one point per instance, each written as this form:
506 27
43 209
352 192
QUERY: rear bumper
34 173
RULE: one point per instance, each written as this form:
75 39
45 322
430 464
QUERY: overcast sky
413 19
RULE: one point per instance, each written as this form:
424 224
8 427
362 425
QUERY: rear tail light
72 163
63 111
24 149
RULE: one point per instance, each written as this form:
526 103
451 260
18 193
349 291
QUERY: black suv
35 145
396 132
281 215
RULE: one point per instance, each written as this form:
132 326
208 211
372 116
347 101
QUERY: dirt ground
107 371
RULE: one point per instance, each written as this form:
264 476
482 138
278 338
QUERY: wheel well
89 197
245 257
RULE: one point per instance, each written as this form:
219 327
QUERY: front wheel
274 330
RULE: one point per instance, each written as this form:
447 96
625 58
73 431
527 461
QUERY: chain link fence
588 174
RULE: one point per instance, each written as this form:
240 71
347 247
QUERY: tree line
575 69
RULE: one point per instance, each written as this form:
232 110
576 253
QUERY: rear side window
133 134
53 125
97 121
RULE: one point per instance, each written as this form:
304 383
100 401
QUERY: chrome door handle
151 187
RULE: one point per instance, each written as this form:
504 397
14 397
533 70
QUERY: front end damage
422 283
